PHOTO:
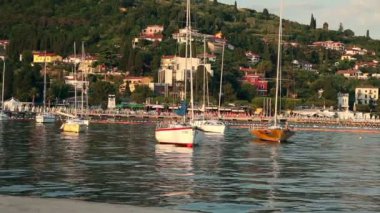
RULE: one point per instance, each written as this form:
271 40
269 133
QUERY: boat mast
82 82
2 85
44 101
191 66
75 80
204 77
221 80
278 64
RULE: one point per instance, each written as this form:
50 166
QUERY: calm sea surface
316 171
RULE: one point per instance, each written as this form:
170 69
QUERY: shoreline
231 120
16 204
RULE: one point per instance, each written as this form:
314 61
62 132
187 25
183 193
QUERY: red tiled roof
168 56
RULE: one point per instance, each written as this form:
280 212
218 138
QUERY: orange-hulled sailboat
277 131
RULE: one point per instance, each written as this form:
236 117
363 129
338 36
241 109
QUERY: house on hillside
42 57
347 57
366 95
257 80
252 57
86 64
150 33
332 45
172 72
4 43
356 51
209 57
172 68
134 81
180 36
353 73
303 65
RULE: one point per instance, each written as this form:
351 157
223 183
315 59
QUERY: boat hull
72 127
181 136
274 135
3 116
45 118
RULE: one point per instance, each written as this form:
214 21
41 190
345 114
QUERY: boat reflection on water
175 170
274 175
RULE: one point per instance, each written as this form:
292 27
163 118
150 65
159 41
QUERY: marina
123 164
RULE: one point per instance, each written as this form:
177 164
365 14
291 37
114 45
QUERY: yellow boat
274 134
73 125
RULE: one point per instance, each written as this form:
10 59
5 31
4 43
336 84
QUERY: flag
181 111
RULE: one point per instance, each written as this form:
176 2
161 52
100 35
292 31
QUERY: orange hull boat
275 135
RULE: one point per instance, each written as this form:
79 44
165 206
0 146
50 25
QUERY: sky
357 15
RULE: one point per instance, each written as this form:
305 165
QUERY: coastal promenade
10 204
240 119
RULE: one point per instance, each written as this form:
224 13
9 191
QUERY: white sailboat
73 123
44 116
3 116
182 134
211 125
277 131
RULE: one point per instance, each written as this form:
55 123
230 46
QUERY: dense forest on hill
108 26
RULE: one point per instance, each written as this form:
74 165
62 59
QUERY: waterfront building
111 102
343 100
366 95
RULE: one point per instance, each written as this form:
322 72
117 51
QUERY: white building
173 67
364 95
343 99
356 51
111 102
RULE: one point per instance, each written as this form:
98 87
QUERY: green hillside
108 26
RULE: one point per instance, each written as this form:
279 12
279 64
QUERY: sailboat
277 131
45 117
3 116
73 123
211 125
182 133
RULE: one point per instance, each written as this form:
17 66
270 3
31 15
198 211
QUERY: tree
99 91
264 67
247 92
235 6
367 34
265 13
349 33
313 22
141 93
340 29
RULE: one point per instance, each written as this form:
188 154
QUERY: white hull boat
45 118
178 134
